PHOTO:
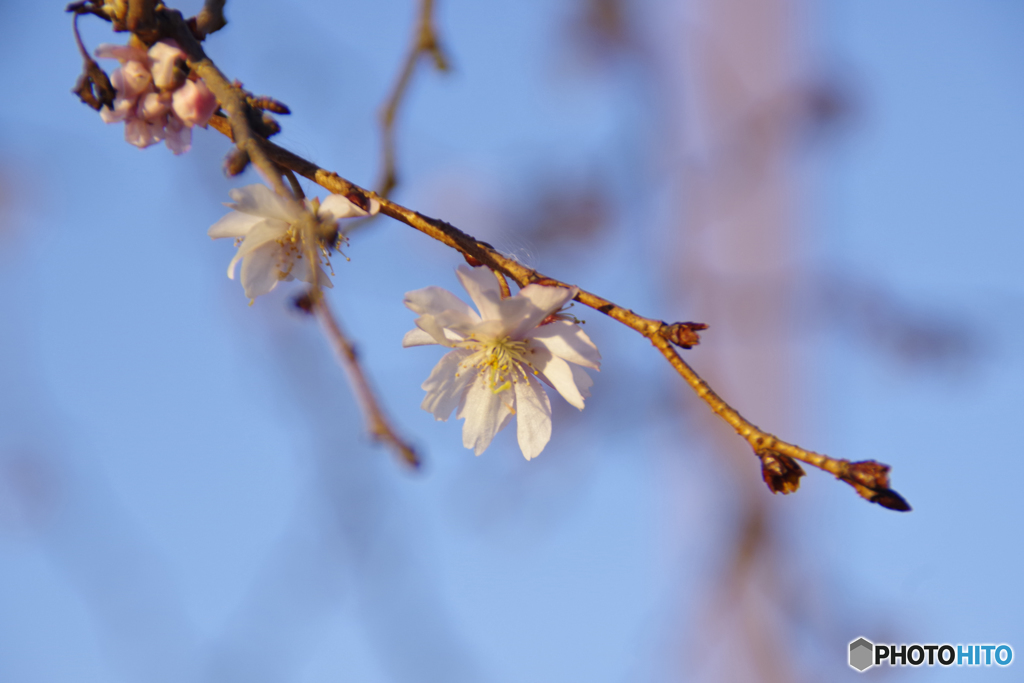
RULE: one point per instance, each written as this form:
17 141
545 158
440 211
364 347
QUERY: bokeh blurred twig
379 426
425 44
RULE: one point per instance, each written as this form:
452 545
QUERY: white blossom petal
483 289
446 385
260 200
566 340
558 374
485 413
337 206
434 329
545 300
533 417
260 272
582 380
234 224
260 234
417 337
435 300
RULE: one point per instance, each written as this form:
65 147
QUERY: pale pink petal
260 200
337 207
153 107
133 80
122 53
485 413
483 289
179 136
122 108
545 300
566 340
140 133
194 103
234 224
164 55
533 417
447 384
557 373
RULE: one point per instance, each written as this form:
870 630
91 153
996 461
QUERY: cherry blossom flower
270 241
155 98
500 356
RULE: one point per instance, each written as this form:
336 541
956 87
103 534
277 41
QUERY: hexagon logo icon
861 654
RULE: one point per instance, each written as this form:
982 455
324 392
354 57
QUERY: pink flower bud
179 135
131 80
122 108
165 55
194 103
154 107
122 53
140 133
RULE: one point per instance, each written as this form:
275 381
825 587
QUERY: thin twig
425 43
294 182
868 478
231 98
377 423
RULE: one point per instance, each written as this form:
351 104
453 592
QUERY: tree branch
231 98
377 423
210 19
425 43
868 478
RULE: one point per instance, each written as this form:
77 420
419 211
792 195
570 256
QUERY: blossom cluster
155 97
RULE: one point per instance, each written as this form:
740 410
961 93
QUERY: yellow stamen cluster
500 359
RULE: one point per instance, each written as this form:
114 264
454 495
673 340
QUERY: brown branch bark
210 19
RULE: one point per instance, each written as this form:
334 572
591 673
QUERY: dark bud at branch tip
891 500
683 334
780 472
871 480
